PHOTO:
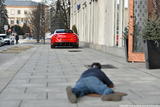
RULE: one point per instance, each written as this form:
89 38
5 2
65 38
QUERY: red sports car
64 37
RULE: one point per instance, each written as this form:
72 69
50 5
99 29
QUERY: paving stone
17 90
149 100
97 102
57 95
47 103
15 96
27 85
45 89
9 103
43 74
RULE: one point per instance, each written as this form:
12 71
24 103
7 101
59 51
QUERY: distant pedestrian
12 37
93 81
17 38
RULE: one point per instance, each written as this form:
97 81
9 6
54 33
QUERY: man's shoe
111 97
71 96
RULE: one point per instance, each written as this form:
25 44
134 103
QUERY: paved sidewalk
38 78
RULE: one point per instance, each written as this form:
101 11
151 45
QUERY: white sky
125 3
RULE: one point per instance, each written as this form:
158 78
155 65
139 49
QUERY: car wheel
52 46
76 46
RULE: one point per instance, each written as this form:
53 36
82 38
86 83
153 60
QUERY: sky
125 3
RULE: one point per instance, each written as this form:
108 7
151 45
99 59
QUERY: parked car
48 36
64 37
1 41
7 39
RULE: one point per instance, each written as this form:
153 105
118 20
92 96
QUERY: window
12 21
25 12
64 31
17 21
12 12
25 21
19 11
21 19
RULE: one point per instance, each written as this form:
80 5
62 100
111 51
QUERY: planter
152 54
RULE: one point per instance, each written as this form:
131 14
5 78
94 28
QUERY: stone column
121 8
115 20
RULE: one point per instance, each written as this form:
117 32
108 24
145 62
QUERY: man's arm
107 81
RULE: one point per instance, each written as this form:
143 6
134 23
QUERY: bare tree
39 21
60 14
3 16
35 21
65 13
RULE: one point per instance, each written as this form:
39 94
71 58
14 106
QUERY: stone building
139 12
100 23
18 11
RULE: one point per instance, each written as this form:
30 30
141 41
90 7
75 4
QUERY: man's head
96 65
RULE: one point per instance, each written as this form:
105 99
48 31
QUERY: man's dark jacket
97 73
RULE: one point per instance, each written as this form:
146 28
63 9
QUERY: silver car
7 39
1 41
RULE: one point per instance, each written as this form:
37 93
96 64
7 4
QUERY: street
38 77
122 35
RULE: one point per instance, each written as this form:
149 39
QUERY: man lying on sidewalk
93 81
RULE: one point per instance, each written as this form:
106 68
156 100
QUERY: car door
1 40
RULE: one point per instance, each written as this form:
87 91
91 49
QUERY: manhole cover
107 66
74 51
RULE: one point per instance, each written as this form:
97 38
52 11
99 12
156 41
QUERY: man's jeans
90 85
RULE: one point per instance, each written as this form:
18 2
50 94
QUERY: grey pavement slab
39 76
9 103
47 103
9 69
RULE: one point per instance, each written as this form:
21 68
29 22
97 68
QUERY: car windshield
64 31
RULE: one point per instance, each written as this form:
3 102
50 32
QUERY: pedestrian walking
17 38
93 81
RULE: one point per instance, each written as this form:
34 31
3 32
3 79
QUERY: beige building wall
96 21
18 14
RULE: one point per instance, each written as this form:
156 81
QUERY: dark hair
96 65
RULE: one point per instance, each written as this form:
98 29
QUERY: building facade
18 11
101 23
139 12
